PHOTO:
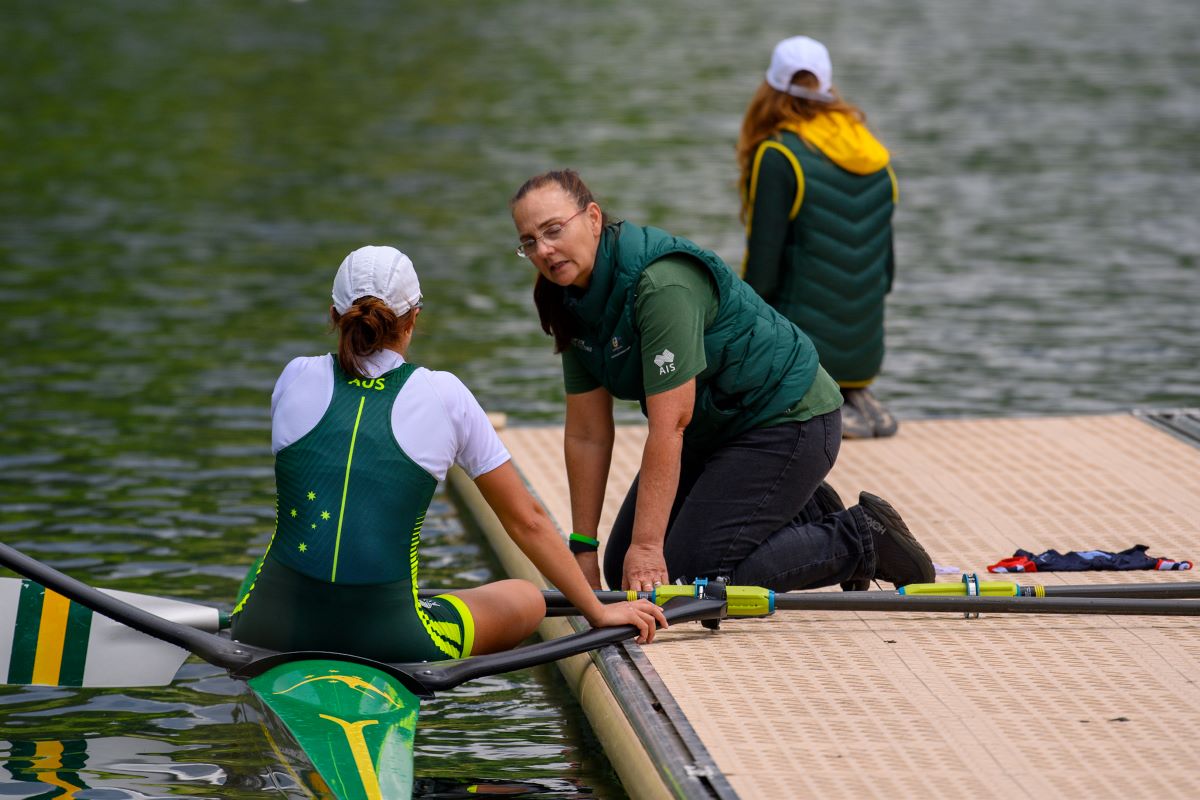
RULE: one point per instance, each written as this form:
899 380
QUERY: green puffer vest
758 363
839 264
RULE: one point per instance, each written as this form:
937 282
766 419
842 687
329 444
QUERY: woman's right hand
642 613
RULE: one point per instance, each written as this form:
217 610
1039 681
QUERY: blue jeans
746 513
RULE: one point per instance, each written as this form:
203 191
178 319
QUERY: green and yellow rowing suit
340 573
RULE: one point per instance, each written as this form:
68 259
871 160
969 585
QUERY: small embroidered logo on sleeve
665 361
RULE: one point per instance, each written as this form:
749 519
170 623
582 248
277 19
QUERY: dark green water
180 181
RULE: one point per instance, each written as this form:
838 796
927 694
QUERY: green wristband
583 544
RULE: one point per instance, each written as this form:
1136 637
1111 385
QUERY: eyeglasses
551 234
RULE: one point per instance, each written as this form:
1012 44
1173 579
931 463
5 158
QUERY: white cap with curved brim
375 271
799 54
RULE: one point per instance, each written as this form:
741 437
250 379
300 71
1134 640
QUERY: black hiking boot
899 557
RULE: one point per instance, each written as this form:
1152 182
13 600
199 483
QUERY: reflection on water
116 767
181 180
132 767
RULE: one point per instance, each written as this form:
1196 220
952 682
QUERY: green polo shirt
675 302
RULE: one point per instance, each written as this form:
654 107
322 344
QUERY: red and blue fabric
1083 560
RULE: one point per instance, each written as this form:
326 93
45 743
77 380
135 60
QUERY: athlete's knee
521 601
535 594
531 601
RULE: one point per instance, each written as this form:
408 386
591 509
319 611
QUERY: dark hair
547 295
367 326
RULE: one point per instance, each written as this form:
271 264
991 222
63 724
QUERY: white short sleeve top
435 419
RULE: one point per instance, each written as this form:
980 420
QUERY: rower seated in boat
361 440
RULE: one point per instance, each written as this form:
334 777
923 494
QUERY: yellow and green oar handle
970 586
964 589
741 601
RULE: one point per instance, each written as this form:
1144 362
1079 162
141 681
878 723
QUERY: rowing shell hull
354 723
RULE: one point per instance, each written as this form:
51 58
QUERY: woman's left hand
642 613
645 568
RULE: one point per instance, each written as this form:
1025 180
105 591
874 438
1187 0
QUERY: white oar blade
201 617
46 639
120 656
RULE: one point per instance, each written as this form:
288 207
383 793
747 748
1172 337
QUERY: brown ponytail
547 295
367 326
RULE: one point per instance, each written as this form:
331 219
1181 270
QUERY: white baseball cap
374 271
798 54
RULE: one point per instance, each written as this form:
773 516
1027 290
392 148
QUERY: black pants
745 512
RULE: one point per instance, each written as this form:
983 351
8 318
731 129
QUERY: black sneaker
899 557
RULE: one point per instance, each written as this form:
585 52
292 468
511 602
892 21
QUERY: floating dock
860 704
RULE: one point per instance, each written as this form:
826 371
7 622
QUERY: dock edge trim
653 747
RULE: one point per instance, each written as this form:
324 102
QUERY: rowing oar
247 661
46 639
970 584
989 596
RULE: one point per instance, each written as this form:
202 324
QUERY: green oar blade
49 640
354 723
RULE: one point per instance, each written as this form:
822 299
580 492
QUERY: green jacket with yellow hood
819 238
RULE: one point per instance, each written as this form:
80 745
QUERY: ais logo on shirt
665 361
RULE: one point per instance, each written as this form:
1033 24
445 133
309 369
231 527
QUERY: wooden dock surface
841 704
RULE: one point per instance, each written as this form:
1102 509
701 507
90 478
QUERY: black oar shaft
887 601
1162 590
558 606
1116 603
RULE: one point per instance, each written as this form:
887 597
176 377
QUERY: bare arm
668 413
587 445
531 529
